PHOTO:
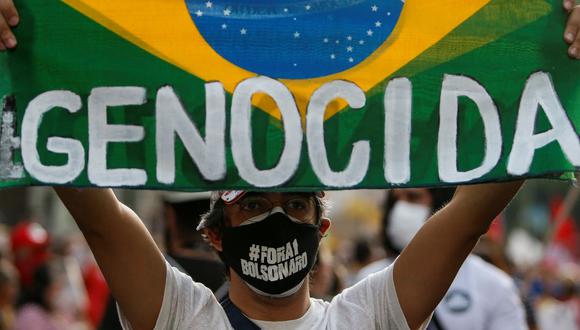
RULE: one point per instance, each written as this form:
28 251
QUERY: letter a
540 91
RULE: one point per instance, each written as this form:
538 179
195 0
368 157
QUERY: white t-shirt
371 304
482 297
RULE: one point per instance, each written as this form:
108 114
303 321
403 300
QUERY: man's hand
8 19
572 31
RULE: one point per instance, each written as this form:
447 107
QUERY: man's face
301 206
269 231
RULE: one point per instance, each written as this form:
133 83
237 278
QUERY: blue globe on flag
295 39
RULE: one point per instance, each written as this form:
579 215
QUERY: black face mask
274 255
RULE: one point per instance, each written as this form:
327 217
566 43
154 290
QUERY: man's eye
252 205
297 204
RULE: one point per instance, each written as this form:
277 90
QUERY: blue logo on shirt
457 301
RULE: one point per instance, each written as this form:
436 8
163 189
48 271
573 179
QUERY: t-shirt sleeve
186 305
377 296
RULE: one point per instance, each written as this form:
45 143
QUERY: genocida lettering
208 152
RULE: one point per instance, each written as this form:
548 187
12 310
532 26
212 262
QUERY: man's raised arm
124 249
426 268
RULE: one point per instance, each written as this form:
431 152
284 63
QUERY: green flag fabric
342 94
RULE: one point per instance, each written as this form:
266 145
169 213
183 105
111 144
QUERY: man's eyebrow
290 195
299 194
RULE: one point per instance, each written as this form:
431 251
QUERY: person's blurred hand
8 19
572 31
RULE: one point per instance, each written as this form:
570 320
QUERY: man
152 294
480 297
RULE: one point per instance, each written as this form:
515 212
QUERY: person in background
361 256
185 248
61 282
481 296
30 249
557 301
327 278
95 290
71 301
8 294
36 311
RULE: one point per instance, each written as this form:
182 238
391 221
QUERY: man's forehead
232 196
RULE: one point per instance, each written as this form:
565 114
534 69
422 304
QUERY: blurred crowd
47 283
523 274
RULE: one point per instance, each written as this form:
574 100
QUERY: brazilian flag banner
292 95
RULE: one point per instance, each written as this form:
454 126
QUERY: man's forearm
481 203
91 207
425 269
124 249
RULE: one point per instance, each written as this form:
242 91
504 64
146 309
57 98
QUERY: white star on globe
370 32
198 13
224 26
332 56
378 24
374 8
227 12
243 31
307 7
209 4
350 59
349 49
296 34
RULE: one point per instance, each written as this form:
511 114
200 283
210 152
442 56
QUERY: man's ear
324 226
214 238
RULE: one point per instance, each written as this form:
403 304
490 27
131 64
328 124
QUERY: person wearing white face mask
481 296
406 219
